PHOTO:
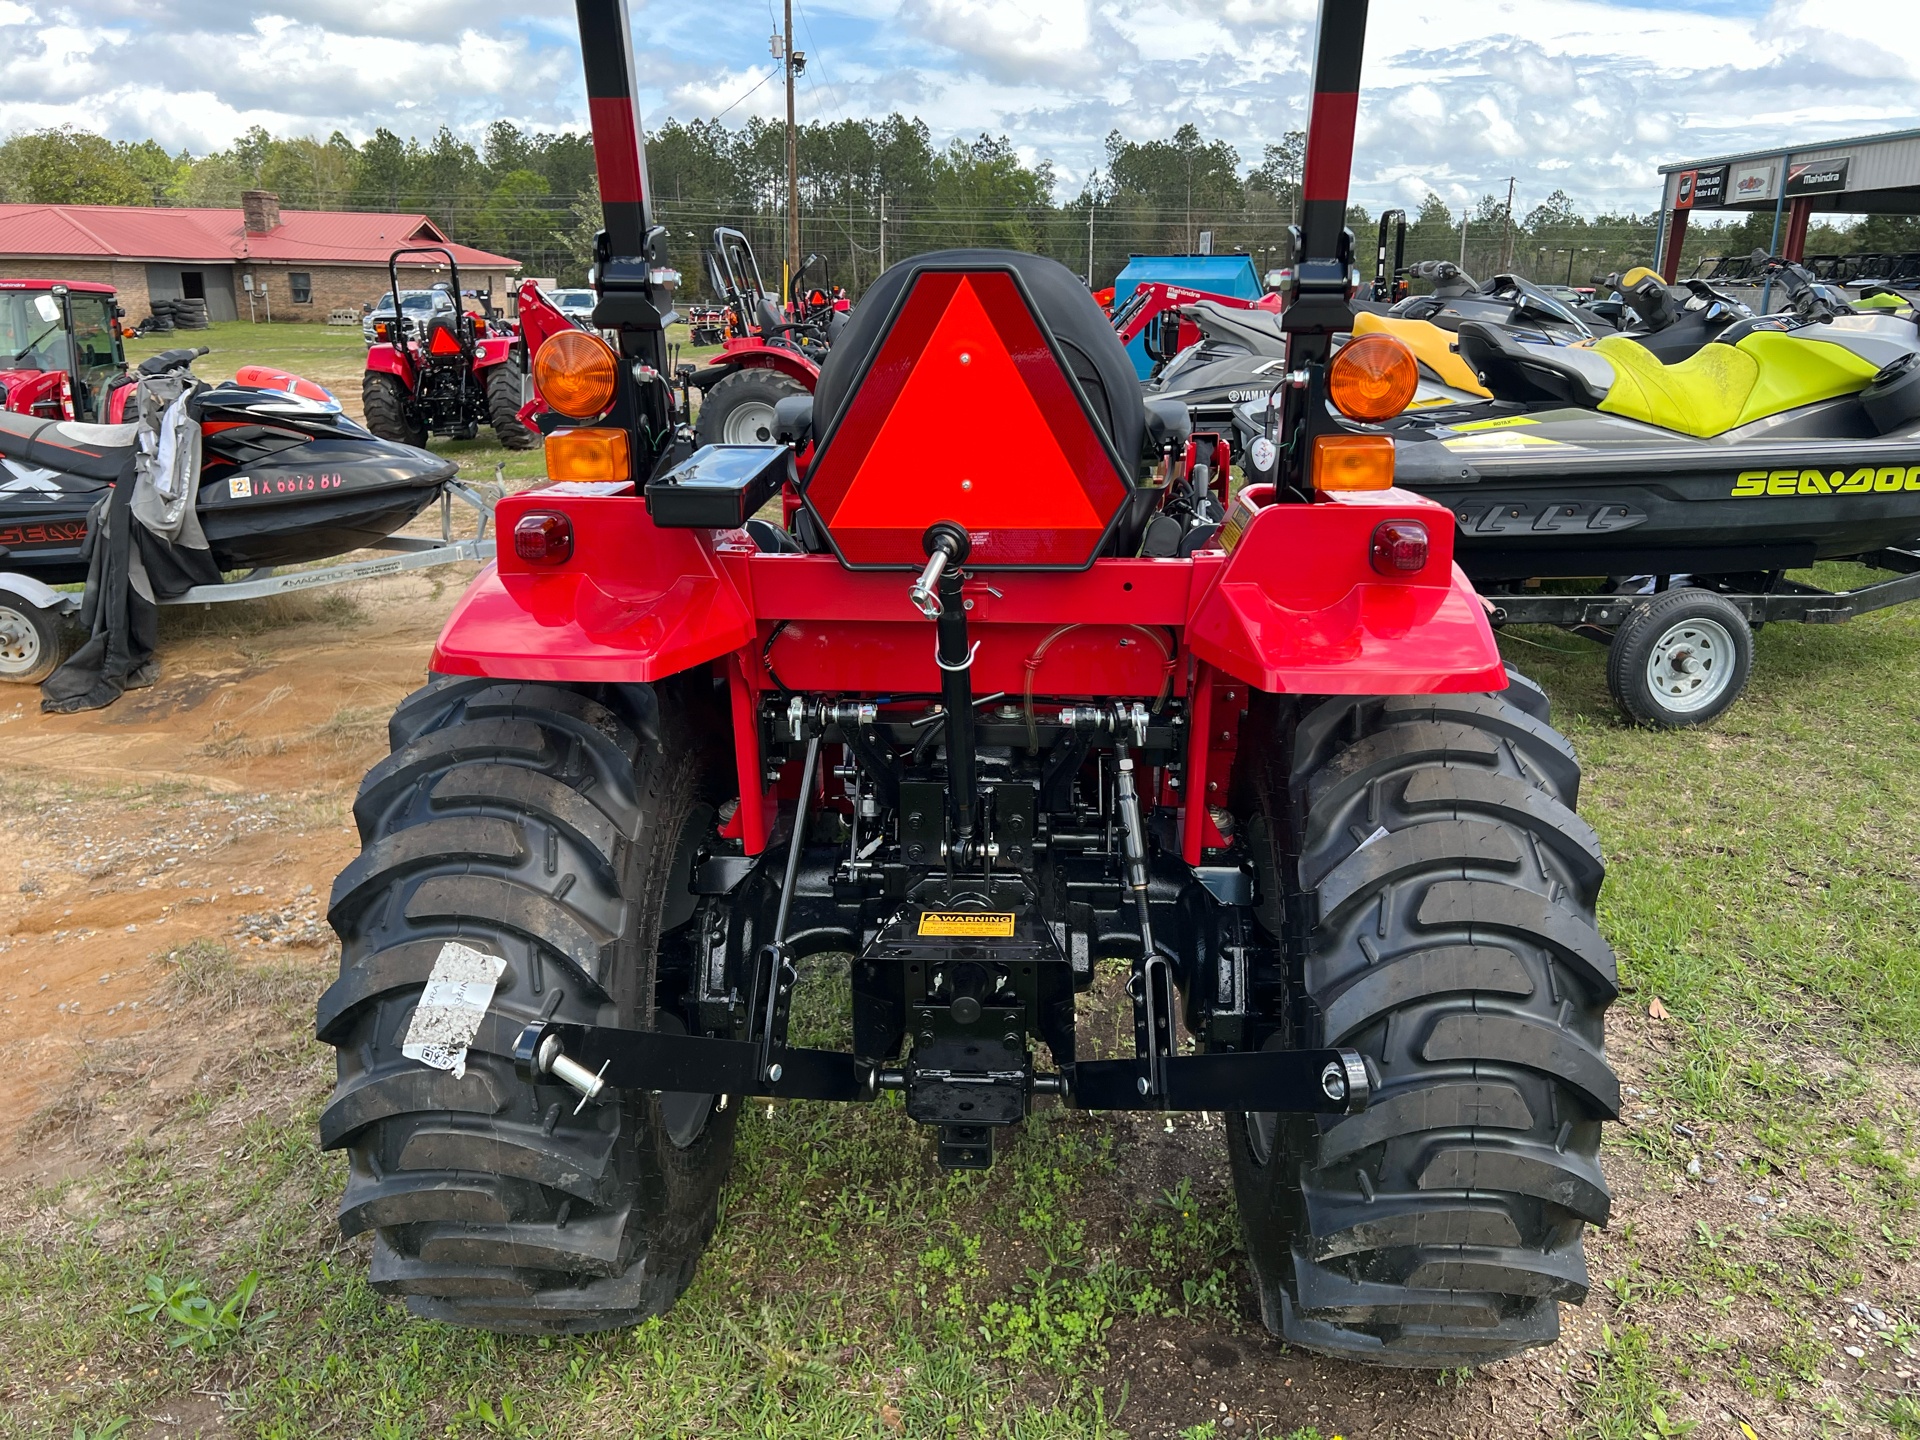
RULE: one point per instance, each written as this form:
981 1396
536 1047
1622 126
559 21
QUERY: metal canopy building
1868 175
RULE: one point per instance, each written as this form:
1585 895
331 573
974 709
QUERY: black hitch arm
1312 1082
695 1064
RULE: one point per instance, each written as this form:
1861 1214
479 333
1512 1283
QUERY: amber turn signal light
1399 548
1373 377
575 372
596 454
543 537
1343 462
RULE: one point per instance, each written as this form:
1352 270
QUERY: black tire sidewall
753 383
50 632
1633 642
384 403
503 406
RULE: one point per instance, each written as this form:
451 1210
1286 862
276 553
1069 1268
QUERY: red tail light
545 537
1399 547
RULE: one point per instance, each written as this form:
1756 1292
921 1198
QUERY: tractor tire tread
1441 891
528 822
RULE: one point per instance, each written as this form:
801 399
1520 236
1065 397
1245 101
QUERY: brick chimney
262 211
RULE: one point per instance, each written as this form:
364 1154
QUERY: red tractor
447 374
61 355
771 353
953 722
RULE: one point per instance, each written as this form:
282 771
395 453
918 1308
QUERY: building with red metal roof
256 262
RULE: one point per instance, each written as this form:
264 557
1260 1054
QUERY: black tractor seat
98 452
1515 370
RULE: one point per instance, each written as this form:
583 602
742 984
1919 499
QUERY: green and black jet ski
1785 440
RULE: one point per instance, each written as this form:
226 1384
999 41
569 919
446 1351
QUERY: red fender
492 350
745 353
384 359
1297 608
635 603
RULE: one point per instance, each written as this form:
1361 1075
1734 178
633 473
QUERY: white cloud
1576 94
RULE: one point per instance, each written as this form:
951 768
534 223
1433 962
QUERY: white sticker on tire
452 1006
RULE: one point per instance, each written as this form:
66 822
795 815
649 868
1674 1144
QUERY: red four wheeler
446 376
954 724
770 353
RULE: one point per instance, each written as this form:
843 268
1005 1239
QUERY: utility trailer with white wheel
36 619
1682 654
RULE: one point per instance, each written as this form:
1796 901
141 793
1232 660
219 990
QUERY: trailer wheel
1439 917
32 641
1680 659
738 409
503 407
553 830
387 407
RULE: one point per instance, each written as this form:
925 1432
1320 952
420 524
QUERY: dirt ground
212 806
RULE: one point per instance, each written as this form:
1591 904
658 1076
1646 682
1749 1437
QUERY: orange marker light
598 454
1340 462
575 372
1373 377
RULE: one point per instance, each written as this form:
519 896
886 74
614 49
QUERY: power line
755 86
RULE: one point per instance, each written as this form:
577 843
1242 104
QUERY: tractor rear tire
503 407
385 404
738 408
1439 917
553 830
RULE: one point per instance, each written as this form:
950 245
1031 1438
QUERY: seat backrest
1515 370
985 388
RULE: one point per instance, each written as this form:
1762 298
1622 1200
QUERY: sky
1586 96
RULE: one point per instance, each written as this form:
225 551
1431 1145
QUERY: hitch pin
924 594
552 1060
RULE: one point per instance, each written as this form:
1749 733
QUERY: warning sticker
450 1009
971 923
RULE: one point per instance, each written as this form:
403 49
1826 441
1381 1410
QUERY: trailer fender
37 594
634 603
1299 609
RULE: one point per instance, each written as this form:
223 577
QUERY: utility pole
1506 228
794 63
1089 244
883 232
1465 212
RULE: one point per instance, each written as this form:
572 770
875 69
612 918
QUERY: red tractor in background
961 720
61 351
771 352
447 375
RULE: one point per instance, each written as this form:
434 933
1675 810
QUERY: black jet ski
1504 300
285 477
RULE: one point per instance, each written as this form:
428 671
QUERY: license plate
970 923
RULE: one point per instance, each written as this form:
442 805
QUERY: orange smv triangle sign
966 441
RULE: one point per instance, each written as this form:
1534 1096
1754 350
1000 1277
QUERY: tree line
871 192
